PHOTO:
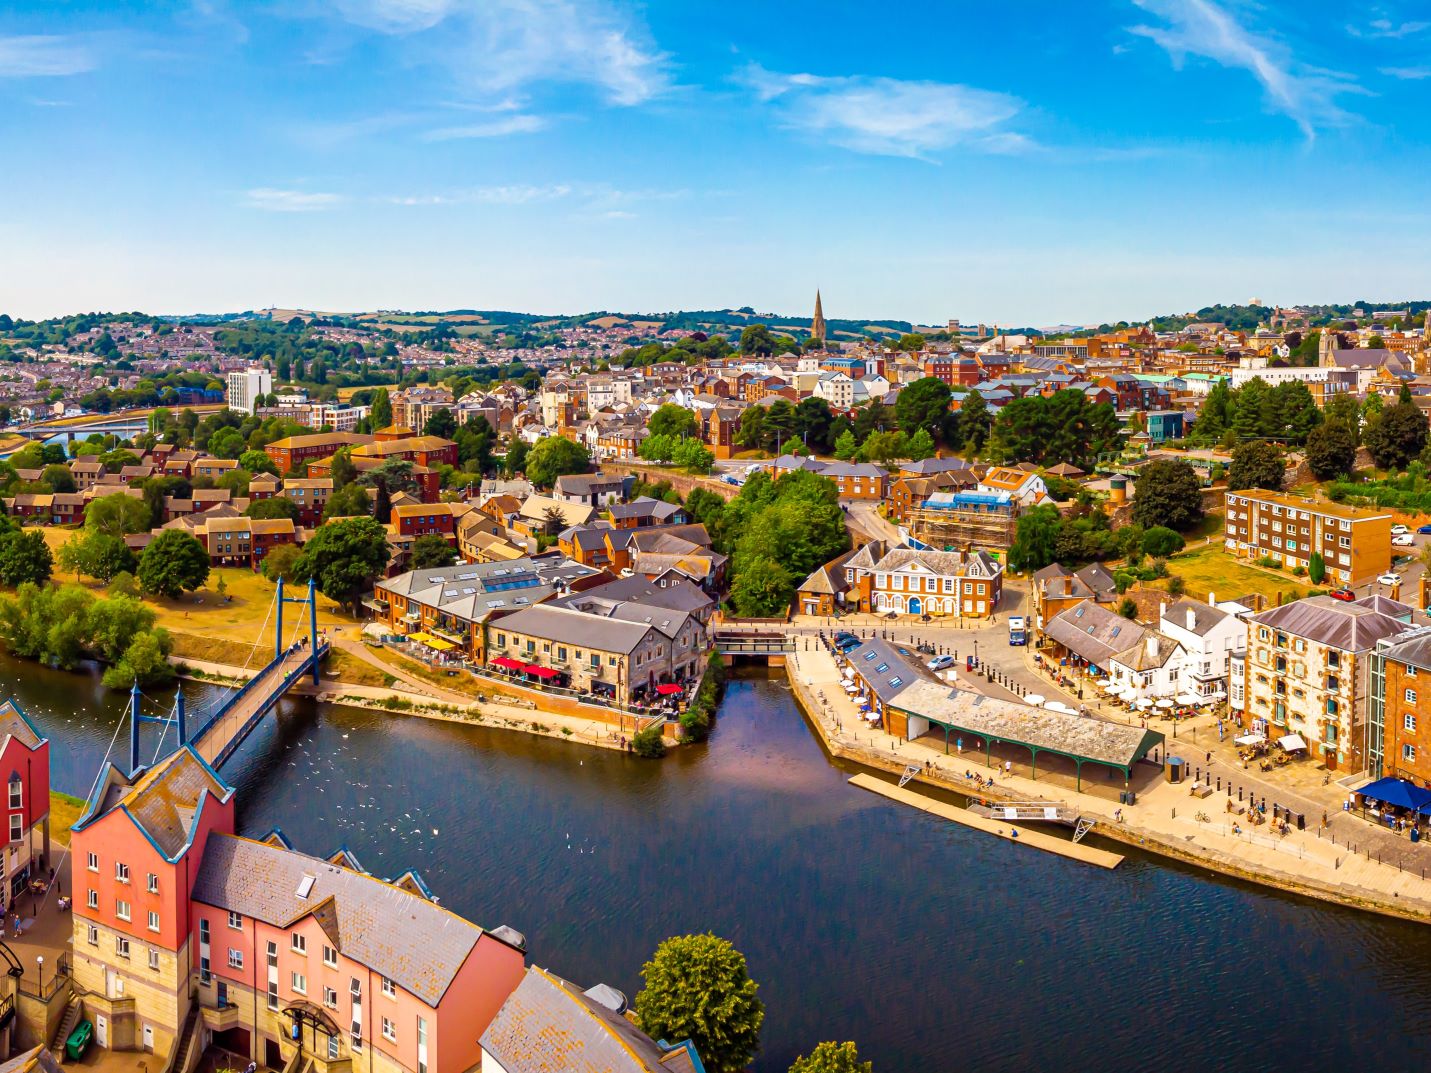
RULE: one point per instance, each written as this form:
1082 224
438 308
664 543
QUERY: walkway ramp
226 730
999 828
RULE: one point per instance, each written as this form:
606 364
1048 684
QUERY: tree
920 445
922 405
756 339
114 622
24 556
1331 450
672 420
846 446
381 411
793 446
649 744
173 563
280 563
554 457
974 420
345 558
96 554
814 423
832 1058
1167 493
515 460
274 507
1127 608
704 506
1256 464
145 661
441 424
431 551
1035 539
350 501
697 988
258 462
118 515
1396 436
1317 568
342 470
762 588
752 427
227 443
693 456
1160 542
59 478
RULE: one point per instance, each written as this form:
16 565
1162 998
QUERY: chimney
1192 619
1162 609
1067 585
1152 645
1212 599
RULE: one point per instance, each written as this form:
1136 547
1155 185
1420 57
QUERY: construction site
955 520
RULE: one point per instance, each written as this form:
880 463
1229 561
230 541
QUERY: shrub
649 743
1161 541
1124 581
1177 585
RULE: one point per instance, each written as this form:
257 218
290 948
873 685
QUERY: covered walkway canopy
1398 792
1078 738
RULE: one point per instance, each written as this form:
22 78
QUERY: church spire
817 325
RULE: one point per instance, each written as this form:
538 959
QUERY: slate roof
403 936
548 1026
165 799
677 596
1205 617
569 626
1347 627
1094 632
471 591
886 668
14 723
943 563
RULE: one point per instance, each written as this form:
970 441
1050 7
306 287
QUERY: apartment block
1355 543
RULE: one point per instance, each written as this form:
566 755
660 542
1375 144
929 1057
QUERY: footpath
1166 819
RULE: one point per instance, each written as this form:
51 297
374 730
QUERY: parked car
1389 579
1425 530
938 663
1405 540
1397 530
845 640
1342 594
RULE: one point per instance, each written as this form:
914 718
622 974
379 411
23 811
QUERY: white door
101 1030
148 1037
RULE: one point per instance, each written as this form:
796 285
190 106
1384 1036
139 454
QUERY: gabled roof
164 802
1094 632
1347 627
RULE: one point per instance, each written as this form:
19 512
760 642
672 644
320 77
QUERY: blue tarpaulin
1397 792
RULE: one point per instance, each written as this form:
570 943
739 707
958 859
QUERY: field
64 811
1210 569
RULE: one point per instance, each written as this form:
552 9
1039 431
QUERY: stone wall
681 482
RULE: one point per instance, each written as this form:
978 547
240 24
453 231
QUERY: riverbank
1166 820
498 712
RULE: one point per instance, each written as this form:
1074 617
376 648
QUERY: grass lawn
1210 569
64 811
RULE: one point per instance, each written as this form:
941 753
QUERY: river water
933 946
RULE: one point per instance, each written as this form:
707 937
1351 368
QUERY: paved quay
1166 819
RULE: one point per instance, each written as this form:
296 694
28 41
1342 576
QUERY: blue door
914 605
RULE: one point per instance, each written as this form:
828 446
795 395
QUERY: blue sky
1035 162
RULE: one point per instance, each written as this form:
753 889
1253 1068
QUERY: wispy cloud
44 56
501 46
1202 28
495 128
888 116
517 194
1388 28
1408 74
270 199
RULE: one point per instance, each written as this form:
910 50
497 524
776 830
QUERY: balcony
220 1018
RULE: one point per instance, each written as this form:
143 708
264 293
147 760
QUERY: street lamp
40 969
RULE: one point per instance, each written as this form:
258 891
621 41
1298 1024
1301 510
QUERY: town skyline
378 154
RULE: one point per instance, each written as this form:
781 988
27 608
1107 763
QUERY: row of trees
1044 536
1287 413
63 624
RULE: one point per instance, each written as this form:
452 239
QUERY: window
300 983
121 946
121 872
332 1048
330 956
235 958
1408 723
154 959
17 794
235 919
92 934
121 909
1408 753
330 997
389 1031
151 883
389 988
17 827
300 944
1411 696
153 920
94 862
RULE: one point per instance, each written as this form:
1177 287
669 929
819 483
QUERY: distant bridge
745 643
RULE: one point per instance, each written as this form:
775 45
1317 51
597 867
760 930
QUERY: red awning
540 672
666 689
506 663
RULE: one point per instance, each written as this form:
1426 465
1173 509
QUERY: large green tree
1331 450
1256 464
762 589
380 412
431 551
922 405
697 988
554 457
273 507
24 556
96 554
1396 435
832 1057
1035 539
118 515
1168 493
172 564
814 423
673 421
345 558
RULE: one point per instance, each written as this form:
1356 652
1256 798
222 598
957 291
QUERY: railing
47 990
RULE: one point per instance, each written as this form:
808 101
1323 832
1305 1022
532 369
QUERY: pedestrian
1008 768
1324 819
960 742
1209 756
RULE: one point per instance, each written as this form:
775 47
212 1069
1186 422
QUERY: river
933 946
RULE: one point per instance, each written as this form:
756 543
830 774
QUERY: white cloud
1307 96
1386 28
40 56
503 46
1407 74
517 194
494 128
269 199
889 116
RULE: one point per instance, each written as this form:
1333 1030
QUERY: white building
1210 634
247 388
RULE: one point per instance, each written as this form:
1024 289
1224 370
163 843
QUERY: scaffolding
959 520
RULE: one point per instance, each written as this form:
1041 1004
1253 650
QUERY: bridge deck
227 728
